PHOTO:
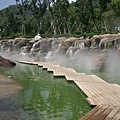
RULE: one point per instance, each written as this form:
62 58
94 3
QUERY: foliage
59 18
116 7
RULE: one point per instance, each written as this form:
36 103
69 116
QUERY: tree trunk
59 30
68 28
48 29
5 33
64 26
59 27
24 32
72 26
54 28
23 28
105 26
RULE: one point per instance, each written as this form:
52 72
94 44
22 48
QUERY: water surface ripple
45 97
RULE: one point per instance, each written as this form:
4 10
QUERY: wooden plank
63 72
117 97
40 64
93 78
85 87
89 78
86 91
98 113
91 113
92 86
96 77
53 67
103 95
28 62
102 101
117 116
74 76
112 113
113 101
110 88
105 113
88 86
49 65
91 102
99 101
103 98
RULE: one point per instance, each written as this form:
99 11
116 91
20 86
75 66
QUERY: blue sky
6 3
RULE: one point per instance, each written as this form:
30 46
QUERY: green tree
103 6
38 8
116 7
92 4
63 7
9 23
73 18
53 9
84 15
22 7
59 16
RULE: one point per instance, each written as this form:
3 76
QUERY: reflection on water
45 97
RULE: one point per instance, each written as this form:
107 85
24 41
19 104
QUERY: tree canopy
51 17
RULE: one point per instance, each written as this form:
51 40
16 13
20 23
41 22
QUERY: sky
6 3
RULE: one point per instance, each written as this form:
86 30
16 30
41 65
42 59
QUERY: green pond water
45 97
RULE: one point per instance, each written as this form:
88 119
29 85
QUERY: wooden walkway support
104 96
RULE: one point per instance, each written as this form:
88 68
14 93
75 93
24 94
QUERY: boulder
46 45
66 44
20 44
71 51
3 45
107 42
5 63
26 49
42 46
99 62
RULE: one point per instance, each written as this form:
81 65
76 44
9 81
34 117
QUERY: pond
45 97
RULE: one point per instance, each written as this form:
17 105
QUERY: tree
116 7
53 9
92 11
73 18
84 15
63 8
59 16
38 8
103 6
22 7
9 23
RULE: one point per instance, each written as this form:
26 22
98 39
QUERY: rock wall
52 48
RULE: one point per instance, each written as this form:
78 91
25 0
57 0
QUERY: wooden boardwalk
104 96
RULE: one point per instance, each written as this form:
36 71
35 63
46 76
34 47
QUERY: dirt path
8 87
